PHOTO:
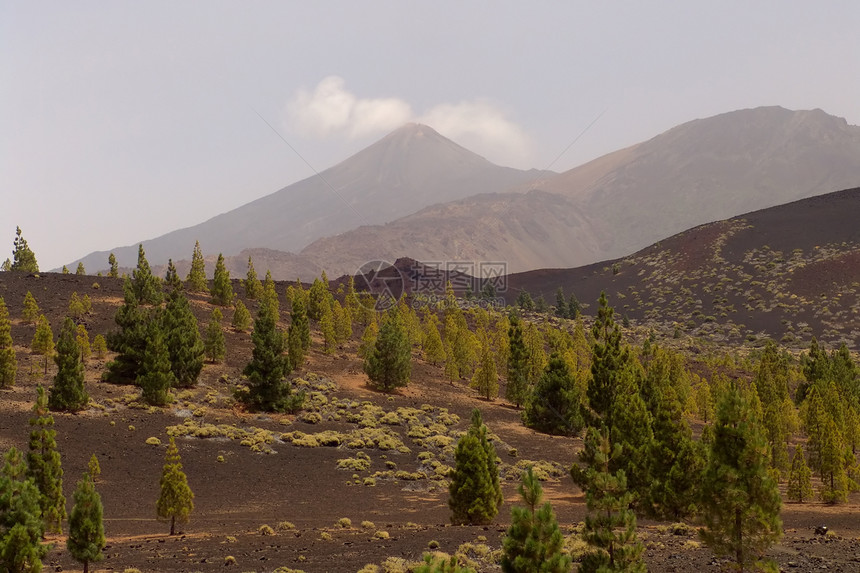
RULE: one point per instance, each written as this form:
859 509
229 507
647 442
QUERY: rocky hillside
789 272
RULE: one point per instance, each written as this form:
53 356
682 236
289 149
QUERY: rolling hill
788 272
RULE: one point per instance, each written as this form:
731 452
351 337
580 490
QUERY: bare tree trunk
739 549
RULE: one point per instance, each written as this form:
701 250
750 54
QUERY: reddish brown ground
235 497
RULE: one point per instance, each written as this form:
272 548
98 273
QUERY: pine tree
145 286
740 501
834 481
21 526
342 322
704 401
214 345
86 527
452 372
434 350
411 323
197 274
327 329
8 361
486 377
87 304
525 302
610 526
99 346
534 542
676 462
462 347
93 468
44 466
536 359
253 286
269 366
155 377
23 259
176 501
350 299
114 267
171 278
368 340
6 266
43 340
299 318
815 424
554 406
80 271
83 340
474 492
65 270
632 430
771 382
76 306
799 478
389 364
561 310
222 288
69 392
298 334
573 307
183 340
500 343
516 390
30 313
317 297
607 360
241 317
270 296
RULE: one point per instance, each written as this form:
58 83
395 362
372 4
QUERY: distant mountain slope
711 169
521 230
789 272
409 169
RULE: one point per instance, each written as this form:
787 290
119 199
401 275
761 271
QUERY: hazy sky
121 121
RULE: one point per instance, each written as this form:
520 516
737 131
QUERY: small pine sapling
43 340
241 317
534 543
176 500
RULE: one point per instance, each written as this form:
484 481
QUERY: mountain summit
409 169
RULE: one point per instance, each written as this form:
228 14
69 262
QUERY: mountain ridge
703 170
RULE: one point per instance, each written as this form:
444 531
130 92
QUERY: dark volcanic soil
302 485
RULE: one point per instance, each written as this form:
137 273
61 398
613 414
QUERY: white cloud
480 125
331 109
